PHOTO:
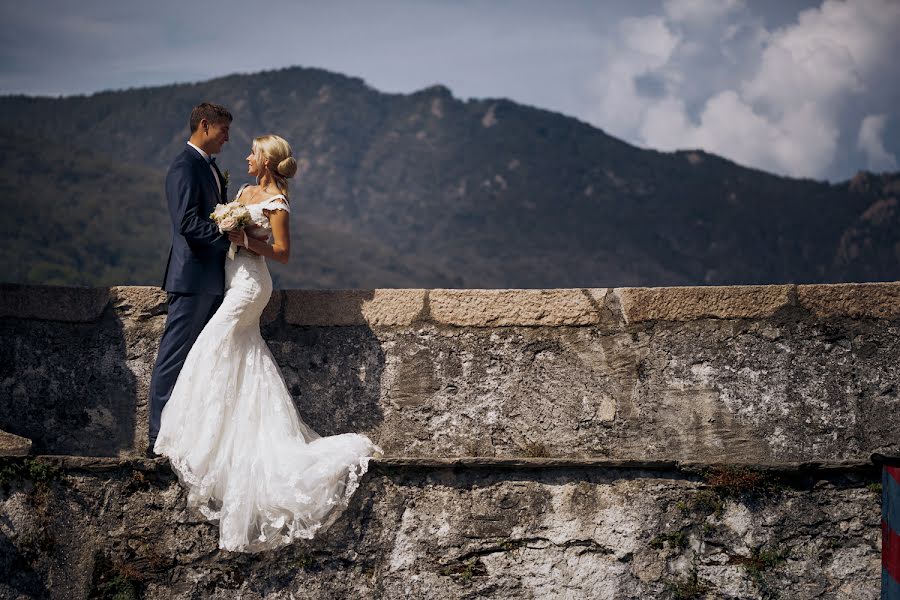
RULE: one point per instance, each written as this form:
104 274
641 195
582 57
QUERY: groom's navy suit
195 273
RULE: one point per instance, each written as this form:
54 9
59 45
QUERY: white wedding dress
233 435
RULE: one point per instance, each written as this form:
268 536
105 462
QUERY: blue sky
804 88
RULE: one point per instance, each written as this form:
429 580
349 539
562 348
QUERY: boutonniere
225 177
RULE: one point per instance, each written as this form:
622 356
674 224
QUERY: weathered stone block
712 302
353 307
138 302
49 303
504 308
854 300
14 445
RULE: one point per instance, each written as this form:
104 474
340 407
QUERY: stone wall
541 443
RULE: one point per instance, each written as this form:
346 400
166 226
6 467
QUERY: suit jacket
196 262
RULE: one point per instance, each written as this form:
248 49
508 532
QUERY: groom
195 273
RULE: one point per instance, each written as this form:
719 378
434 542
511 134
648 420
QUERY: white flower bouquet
231 217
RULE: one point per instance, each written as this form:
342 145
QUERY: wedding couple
219 407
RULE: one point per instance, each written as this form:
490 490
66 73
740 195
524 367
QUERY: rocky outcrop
596 443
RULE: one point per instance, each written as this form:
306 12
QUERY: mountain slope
488 193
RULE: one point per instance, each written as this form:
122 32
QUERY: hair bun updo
275 153
287 167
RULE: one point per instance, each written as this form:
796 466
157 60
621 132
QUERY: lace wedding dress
233 435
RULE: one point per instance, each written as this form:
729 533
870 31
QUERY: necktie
220 181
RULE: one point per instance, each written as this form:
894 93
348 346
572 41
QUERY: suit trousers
188 313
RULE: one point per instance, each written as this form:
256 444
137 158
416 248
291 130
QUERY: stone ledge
482 308
14 445
49 303
477 462
710 302
101 464
854 300
488 462
505 308
381 307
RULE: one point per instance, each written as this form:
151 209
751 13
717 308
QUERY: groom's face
217 135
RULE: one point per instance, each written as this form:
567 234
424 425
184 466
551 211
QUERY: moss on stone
690 588
676 539
740 482
707 502
115 580
760 561
27 469
464 570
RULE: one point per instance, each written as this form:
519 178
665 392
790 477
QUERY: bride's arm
280 250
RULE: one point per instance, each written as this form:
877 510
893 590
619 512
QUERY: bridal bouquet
230 217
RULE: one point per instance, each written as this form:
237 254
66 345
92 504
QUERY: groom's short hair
214 113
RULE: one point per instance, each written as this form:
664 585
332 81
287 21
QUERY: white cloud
869 141
647 44
699 11
798 142
832 52
786 100
649 39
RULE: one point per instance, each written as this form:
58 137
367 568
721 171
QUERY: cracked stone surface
556 533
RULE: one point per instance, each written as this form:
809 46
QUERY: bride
230 428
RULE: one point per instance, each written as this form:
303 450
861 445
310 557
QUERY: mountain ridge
490 193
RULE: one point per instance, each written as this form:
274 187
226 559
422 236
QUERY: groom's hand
236 237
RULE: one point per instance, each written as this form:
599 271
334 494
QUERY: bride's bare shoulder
247 193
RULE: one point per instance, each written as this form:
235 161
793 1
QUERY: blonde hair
282 165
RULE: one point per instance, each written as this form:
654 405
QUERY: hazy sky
805 88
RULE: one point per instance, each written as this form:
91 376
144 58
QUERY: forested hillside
424 190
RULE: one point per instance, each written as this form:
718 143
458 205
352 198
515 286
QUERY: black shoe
149 453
